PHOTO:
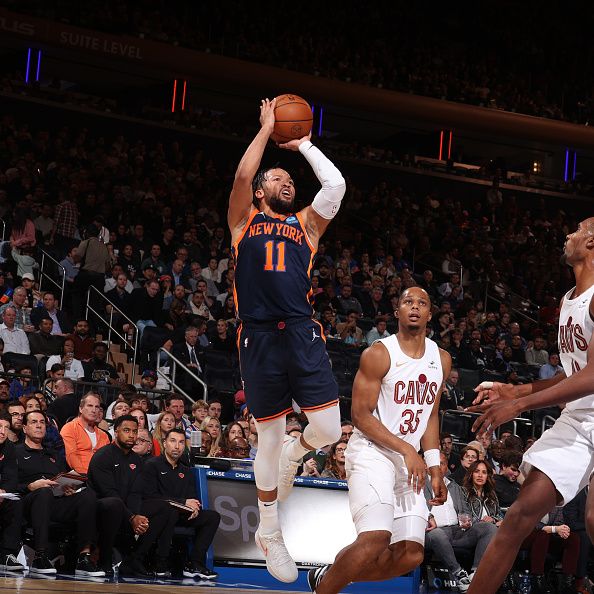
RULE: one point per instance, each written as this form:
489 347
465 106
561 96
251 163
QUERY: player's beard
280 206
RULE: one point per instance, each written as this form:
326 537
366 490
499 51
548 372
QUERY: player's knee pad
270 442
323 428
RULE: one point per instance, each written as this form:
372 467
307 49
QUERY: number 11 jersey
273 259
409 391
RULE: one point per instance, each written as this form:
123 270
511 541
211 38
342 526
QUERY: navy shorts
284 361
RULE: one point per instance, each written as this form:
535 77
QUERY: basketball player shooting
282 349
560 464
395 411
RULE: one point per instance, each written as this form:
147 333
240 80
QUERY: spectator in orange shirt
82 438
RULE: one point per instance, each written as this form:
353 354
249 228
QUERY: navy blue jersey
273 261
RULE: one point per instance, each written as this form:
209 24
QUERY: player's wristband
431 458
553 529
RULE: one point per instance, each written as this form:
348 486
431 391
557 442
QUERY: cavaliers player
560 463
395 411
282 350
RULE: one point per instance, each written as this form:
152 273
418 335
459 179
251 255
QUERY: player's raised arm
374 364
240 201
327 201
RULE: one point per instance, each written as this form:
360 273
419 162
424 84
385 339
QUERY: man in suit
446 529
62 324
188 353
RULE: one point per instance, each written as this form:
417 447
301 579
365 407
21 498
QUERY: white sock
297 451
268 517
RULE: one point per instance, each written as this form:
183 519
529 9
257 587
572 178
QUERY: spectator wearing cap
28 283
15 339
149 272
111 282
148 380
154 259
62 324
43 342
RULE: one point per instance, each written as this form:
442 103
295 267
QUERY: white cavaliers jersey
408 391
575 332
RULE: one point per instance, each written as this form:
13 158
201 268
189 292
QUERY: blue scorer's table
316 524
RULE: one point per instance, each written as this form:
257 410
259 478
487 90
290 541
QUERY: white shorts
565 454
380 497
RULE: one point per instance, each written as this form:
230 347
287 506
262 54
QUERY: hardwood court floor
22 585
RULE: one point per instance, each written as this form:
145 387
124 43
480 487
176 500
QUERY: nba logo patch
245 343
132 466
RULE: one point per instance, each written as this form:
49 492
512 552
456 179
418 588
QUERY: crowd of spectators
511 57
144 223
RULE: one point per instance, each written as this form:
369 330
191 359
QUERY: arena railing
44 274
3 222
130 341
514 424
176 366
515 310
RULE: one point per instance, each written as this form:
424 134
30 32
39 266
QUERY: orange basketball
293 118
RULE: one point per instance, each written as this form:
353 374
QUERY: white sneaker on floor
287 469
279 563
463 580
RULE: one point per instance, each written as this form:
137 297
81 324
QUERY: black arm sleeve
9 480
150 484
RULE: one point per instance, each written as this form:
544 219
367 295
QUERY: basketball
293 118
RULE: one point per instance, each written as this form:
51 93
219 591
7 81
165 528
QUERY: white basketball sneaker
279 563
287 469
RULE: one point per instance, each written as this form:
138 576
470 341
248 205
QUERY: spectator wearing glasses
346 431
335 462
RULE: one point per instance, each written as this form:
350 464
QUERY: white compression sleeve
271 435
327 201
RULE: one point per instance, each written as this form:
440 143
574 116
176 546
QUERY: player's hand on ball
267 114
416 470
293 145
489 392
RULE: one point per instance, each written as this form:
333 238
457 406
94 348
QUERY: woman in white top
73 368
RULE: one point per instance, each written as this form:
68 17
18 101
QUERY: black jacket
64 409
145 307
44 344
113 473
8 467
33 464
507 491
163 481
37 313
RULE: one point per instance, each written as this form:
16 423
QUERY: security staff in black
11 512
36 467
115 476
166 479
